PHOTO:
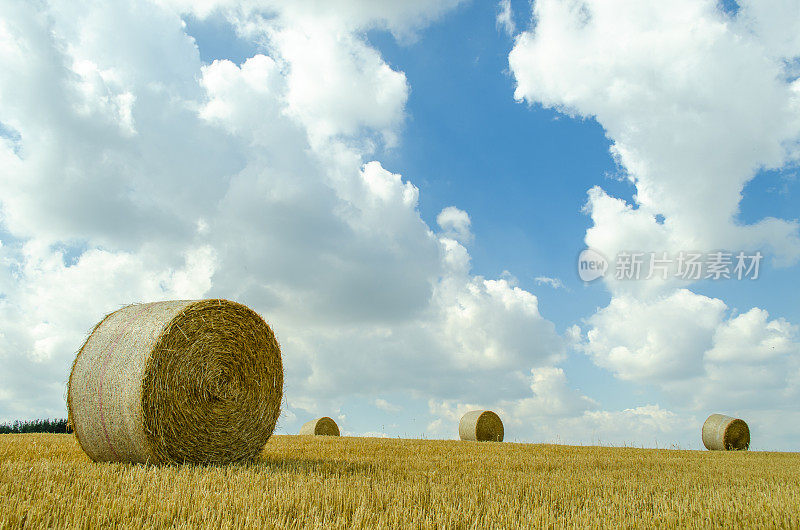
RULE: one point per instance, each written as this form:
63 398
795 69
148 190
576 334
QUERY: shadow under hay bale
324 426
724 433
177 381
481 426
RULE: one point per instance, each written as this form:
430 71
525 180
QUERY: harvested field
46 480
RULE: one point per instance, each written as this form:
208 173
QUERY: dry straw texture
324 426
333 483
481 426
723 433
178 381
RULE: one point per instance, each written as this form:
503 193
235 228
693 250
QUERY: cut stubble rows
332 482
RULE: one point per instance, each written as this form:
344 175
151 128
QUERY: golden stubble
346 482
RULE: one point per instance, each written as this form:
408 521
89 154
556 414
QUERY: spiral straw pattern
177 381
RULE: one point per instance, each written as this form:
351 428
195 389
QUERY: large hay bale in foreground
724 433
481 426
324 426
178 381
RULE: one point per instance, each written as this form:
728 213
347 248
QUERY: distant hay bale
324 426
178 381
723 433
481 426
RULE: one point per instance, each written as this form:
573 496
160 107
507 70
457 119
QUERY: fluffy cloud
687 345
475 340
76 107
774 24
48 307
137 173
552 398
351 243
324 68
456 224
695 102
386 406
494 324
654 340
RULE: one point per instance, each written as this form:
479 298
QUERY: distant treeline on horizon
57 426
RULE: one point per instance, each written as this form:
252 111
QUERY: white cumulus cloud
693 103
456 224
139 173
696 102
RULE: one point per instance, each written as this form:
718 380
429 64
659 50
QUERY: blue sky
298 116
521 171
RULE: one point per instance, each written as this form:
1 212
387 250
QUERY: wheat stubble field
298 482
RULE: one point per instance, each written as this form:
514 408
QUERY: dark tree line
21 427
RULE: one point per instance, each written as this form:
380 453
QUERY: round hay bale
324 426
724 433
481 426
178 381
